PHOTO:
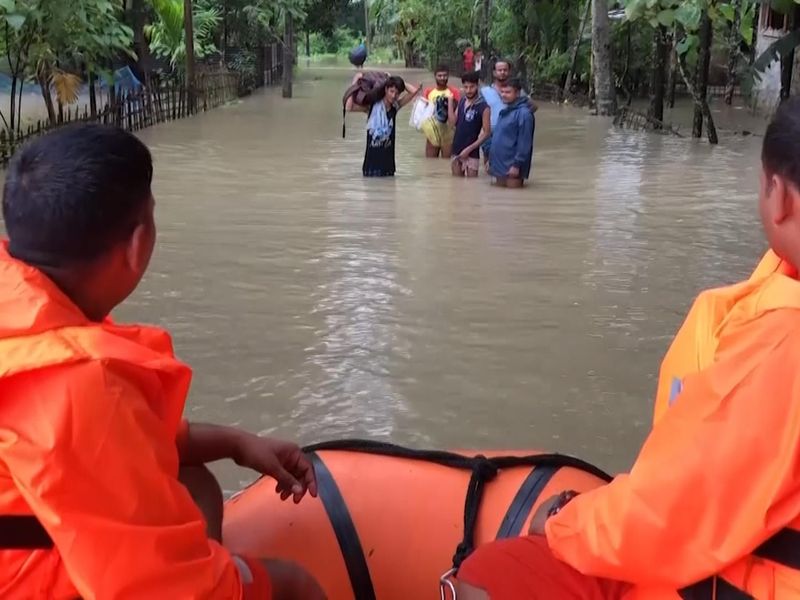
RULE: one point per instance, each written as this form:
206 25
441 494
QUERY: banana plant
166 35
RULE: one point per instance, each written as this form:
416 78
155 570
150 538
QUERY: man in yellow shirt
439 129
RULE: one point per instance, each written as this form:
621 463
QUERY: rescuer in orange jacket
711 508
101 482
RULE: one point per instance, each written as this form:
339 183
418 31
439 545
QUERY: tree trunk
19 104
188 24
484 34
660 54
787 60
293 44
308 43
592 90
44 85
601 51
367 41
703 64
626 70
113 103
224 29
699 101
12 126
140 44
287 55
92 94
733 51
673 70
531 39
576 46
756 17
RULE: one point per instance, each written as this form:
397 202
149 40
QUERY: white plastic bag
421 112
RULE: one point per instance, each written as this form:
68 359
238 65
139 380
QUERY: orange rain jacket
713 499
89 414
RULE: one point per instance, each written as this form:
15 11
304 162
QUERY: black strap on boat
343 527
713 588
782 548
23 532
520 508
483 470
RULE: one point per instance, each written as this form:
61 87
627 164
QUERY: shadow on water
314 304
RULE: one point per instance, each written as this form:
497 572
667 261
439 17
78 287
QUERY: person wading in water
438 130
492 96
512 138
379 156
473 127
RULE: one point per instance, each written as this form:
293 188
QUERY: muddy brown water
426 310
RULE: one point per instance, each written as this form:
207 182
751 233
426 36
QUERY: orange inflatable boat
389 521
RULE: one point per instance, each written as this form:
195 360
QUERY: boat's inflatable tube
388 520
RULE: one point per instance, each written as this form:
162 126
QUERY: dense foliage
653 45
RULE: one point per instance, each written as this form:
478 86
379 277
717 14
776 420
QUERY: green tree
692 23
48 40
167 34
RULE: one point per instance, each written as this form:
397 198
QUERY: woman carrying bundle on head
381 104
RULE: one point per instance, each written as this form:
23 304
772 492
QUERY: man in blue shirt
512 138
491 95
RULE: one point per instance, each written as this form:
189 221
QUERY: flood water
426 310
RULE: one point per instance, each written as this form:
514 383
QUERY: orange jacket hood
772 285
30 303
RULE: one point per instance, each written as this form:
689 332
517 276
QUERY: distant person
379 156
438 131
469 59
491 95
473 127
512 139
478 61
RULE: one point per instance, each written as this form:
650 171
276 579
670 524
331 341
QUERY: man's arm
717 476
201 443
452 112
486 132
524 147
410 94
99 469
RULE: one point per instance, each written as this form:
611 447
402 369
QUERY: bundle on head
365 92
358 55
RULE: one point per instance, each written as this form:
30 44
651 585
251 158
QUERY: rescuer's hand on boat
547 509
281 460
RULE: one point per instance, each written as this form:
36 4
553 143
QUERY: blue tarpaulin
124 81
